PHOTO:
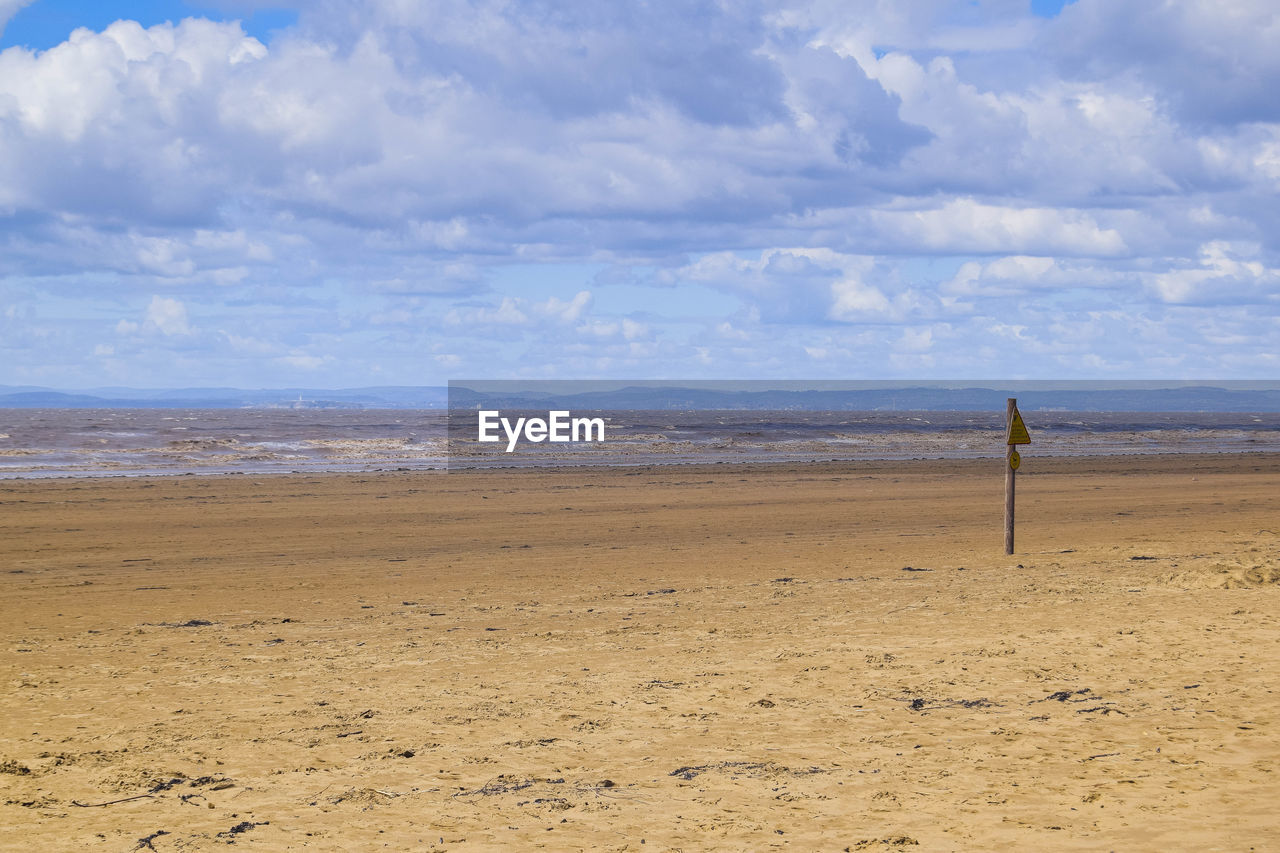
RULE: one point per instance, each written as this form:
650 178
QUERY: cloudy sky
355 192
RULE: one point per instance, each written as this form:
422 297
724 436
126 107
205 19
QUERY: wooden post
1010 407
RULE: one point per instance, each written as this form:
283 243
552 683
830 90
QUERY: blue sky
358 192
47 23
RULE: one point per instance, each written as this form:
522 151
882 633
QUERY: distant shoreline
685 394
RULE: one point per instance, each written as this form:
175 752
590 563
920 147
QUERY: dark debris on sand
919 704
241 827
145 843
743 768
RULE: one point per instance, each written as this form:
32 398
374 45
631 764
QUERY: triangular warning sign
1018 430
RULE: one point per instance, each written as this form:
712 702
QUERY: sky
340 193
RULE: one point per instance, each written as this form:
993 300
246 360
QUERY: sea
147 442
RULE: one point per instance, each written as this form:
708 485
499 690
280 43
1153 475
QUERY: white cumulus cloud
167 316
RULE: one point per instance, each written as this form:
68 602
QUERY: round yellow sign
1014 460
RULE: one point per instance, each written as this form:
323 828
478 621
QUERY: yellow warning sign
1014 460
1018 430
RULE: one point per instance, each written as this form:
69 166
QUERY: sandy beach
831 656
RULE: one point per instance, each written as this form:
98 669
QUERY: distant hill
1075 396
906 398
379 397
49 400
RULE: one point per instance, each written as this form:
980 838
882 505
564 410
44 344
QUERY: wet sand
814 657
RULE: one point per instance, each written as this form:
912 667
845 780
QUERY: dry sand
703 658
